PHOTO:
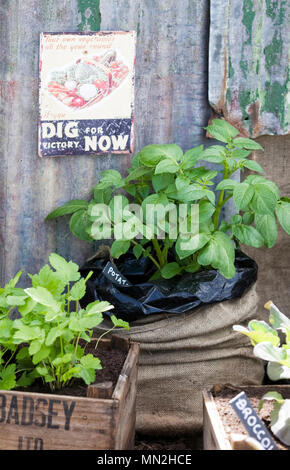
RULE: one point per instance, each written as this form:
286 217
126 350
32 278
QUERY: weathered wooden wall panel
171 105
249 64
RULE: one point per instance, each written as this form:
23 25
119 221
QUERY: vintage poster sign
86 93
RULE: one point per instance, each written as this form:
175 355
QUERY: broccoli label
86 93
252 423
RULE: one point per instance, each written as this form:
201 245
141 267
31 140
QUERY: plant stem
158 252
218 209
149 256
102 335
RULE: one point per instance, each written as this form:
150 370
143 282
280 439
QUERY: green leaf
42 354
151 155
189 245
69 374
273 396
170 270
162 181
277 318
67 270
68 208
12 283
90 362
248 235
65 359
78 290
88 375
166 166
34 347
276 371
240 154
8 377
78 226
236 219
192 267
243 194
15 300
182 182
227 184
256 179
111 177
190 194
25 379
206 210
137 250
26 333
138 173
283 214
119 247
98 307
264 200
219 253
222 130
119 323
258 332
266 225
246 143
268 352
191 157
50 280
52 335
252 165
214 154
44 297
248 218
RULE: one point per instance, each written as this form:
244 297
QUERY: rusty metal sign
86 93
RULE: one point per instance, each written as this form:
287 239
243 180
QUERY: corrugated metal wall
171 103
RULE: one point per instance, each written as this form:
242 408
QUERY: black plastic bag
180 294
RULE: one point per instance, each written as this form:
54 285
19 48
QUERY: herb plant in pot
56 379
175 253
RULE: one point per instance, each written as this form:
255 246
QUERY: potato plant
163 177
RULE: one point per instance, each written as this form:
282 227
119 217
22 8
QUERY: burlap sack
181 355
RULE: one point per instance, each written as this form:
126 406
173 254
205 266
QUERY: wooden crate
214 434
36 421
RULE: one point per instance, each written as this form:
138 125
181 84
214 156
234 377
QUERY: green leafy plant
12 371
267 346
49 339
163 177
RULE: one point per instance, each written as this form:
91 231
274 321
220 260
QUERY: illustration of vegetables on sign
86 93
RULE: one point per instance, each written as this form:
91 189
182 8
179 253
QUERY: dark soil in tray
112 361
161 443
231 423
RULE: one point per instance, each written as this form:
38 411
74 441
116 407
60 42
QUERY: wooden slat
214 436
125 392
100 390
249 64
55 422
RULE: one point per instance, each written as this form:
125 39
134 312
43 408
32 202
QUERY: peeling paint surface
89 15
249 64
